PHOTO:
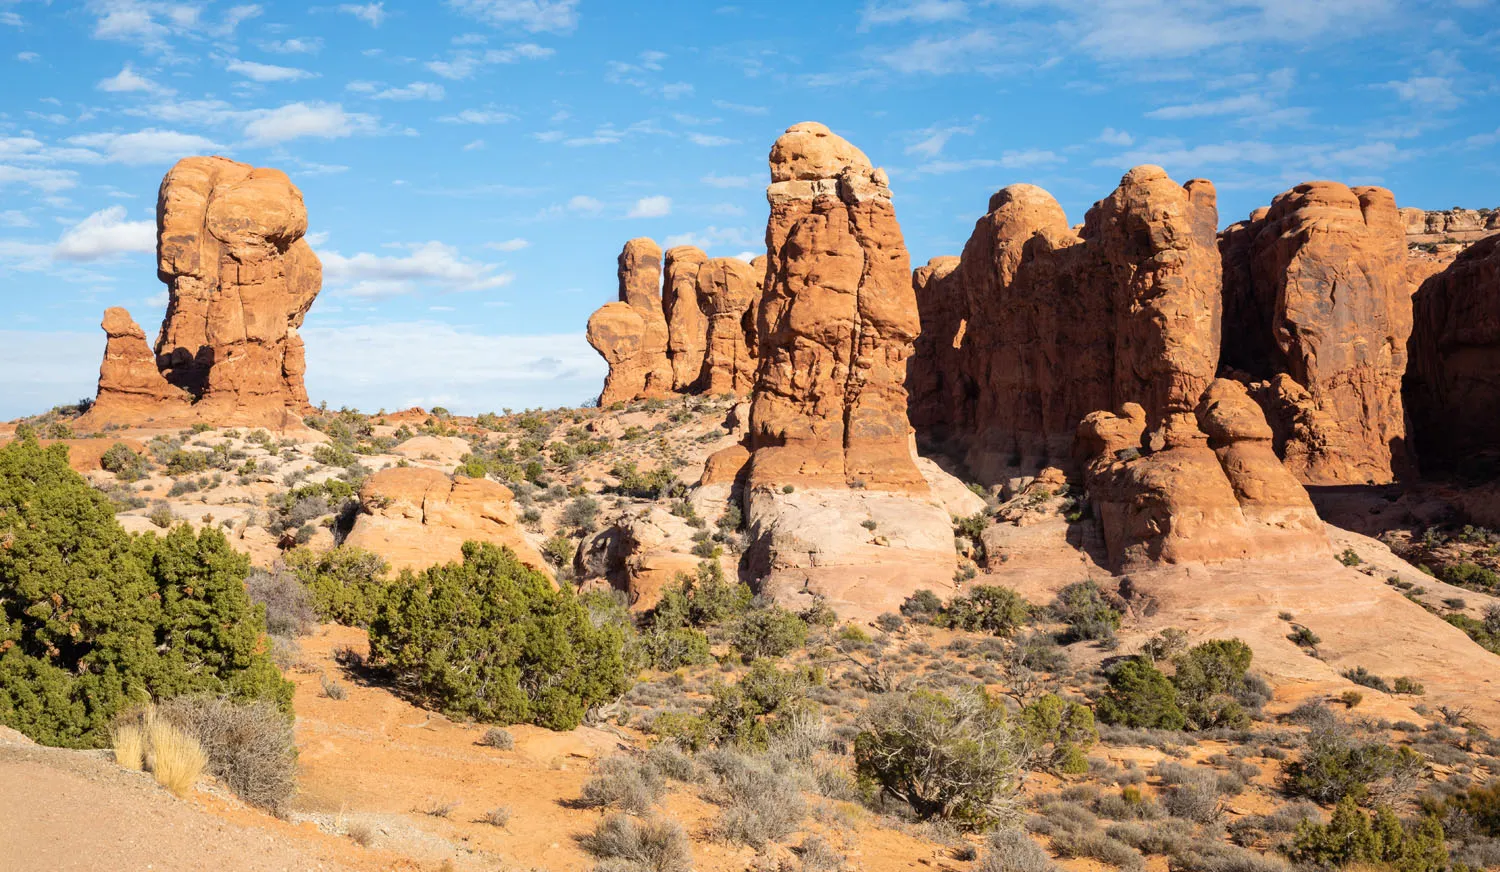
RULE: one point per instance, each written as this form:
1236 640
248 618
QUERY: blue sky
471 168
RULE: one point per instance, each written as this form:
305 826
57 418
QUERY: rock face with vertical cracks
1211 490
1039 325
687 326
1453 383
1317 313
131 388
632 334
836 504
240 279
690 329
729 290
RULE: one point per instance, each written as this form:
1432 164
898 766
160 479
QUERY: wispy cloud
651 207
106 234
258 72
535 16
434 265
299 120
372 14
1019 159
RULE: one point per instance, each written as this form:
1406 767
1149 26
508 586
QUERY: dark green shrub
186 462
1362 676
1140 695
123 462
491 639
346 583
1335 765
1057 733
1480 806
668 649
769 632
923 606
705 599
1351 837
991 608
559 550
1083 607
744 714
950 757
94 620
1209 679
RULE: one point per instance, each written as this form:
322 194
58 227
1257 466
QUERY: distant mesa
240 280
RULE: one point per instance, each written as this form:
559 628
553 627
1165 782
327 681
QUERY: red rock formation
936 383
1452 385
1449 225
836 505
131 389
1317 290
687 324
836 324
654 352
240 279
1055 326
1212 490
729 290
415 517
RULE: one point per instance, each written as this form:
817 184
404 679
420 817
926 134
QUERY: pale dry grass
129 741
175 758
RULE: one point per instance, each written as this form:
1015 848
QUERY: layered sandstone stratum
240 279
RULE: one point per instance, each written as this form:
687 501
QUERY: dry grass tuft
174 757
129 742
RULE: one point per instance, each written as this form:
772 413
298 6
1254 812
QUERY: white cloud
938 56
431 264
707 140
146 146
651 207
536 16
508 245
370 13
15 218
47 180
713 237
12 19
740 107
104 234
717 181
295 45
296 120
1134 30
934 139
1434 91
27 57
414 91
127 80
487 115
267 72
1238 105
474 145
1021 159
922 11
1111 136
463 64
586 204
425 363
149 24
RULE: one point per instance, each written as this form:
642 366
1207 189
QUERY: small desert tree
951 757
492 639
94 620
